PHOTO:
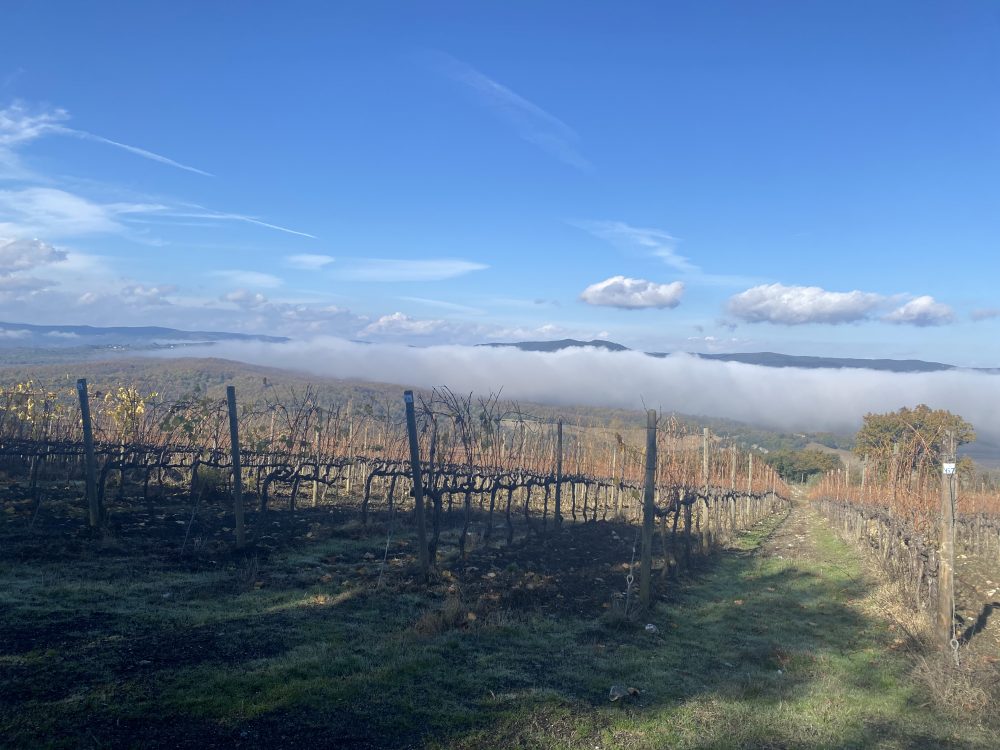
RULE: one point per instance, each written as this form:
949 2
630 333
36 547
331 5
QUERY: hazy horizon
786 399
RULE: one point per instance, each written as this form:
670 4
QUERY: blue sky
811 178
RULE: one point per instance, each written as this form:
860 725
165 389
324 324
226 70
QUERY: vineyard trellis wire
484 459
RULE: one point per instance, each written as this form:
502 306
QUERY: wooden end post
946 570
648 510
418 488
234 447
559 472
93 502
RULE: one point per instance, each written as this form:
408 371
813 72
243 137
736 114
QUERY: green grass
756 651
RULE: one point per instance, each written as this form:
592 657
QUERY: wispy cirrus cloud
254 279
390 270
9 79
144 153
633 294
53 212
308 262
19 124
40 207
445 305
209 215
985 313
660 244
654 242
532 123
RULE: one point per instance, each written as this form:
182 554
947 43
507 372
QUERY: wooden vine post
234 447
418 488
559 472
93 501
706 531
946 570
648 510
315 487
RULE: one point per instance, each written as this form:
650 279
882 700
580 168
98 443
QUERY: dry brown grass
970 689
453 613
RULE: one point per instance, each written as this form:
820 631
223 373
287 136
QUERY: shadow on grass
754 652
980 624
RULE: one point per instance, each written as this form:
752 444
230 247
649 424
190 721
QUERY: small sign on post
946 547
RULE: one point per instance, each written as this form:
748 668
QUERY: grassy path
781 645
776 643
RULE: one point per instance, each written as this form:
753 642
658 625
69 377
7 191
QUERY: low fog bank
788 399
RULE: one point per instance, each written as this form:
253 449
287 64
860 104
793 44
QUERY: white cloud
17 284
24 254
307 262
797 305
299 314
398 324
245 299
19 125
389 270
716 344
531 122
633 294
148 295
922 311
401 327
296 319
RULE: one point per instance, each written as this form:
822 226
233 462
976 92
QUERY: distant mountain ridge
24 342
555 346
29 334
762 359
